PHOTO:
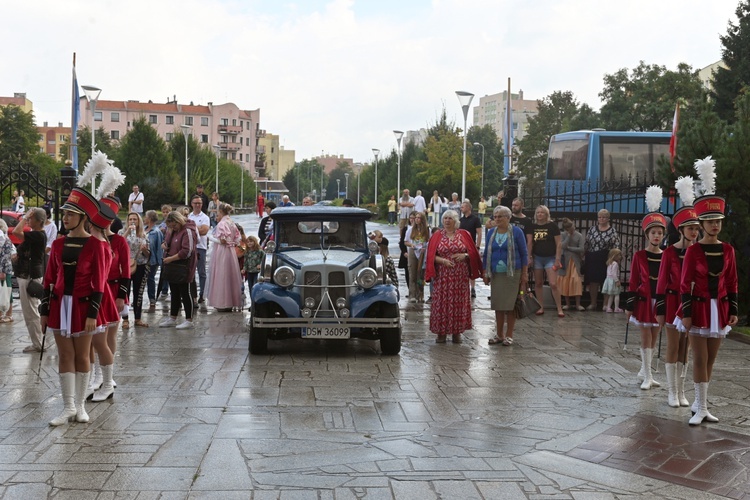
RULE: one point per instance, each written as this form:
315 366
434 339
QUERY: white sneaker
185 325
168 321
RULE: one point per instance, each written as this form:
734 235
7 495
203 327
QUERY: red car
12 219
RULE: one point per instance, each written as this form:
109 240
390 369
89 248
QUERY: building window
114 116
234 139
62 138
234 122
169 136
114 135
204 121
204 138
225 121
248 141
97 116
234 156
271 149
240 156
152 119
170 120
189 120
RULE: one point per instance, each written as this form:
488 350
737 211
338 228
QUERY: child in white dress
611 287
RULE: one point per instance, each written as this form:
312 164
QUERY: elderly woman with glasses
600 239
452 259
505 270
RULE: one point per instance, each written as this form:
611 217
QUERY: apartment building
236 131
19 99
52 140
329 162
491 111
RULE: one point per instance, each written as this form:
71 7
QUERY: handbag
526 305
35 289
175 272
5 292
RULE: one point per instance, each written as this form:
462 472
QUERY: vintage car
323 279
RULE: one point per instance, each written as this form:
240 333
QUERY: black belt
672 292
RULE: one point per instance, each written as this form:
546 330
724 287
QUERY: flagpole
509 118
74 112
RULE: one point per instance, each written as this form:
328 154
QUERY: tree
728 82
144 159
18 134
493 159
557 113
339 172
644 99
308 174
103 143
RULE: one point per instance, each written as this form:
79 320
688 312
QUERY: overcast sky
338 76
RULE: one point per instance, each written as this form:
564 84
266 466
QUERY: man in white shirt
406 205
135 201
202 224
419 203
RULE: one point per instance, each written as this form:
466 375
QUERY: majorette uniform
670 271
708 285
102 219
118 278
644 272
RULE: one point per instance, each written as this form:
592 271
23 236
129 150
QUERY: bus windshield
628 158
567 160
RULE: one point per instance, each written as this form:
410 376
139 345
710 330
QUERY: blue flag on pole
75 112
507 136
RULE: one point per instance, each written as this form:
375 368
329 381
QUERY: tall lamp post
218 151
398 135
359 174
346 185
242 185
464 98
376 152
338 187
185 130
92 95
481 193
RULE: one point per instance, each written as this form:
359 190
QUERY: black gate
38 191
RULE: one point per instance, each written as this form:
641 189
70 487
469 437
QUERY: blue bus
588 170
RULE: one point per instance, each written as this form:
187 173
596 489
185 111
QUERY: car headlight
284 276
367 277
309 302
373 247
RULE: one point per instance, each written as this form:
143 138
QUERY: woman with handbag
29 271
180 261
140 252
224 293
505 270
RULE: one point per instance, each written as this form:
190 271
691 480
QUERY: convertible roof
320 212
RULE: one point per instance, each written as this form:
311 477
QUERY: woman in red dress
644 270
708 287
452 259
668 293
74 286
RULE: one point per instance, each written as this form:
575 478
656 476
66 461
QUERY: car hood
333 256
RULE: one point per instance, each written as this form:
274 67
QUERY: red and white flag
673 139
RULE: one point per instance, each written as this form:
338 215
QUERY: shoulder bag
175 272
526 305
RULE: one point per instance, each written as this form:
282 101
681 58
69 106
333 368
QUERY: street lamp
359 174
398 135
218 150
464 98
185 130
242 185
376 152
338 187
481 193
92 95
346 185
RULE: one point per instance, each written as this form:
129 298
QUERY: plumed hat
81 201
653 202
686 215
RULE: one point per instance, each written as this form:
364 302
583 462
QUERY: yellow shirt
391 205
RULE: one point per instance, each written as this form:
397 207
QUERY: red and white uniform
118 278
108 311
641 302
668 285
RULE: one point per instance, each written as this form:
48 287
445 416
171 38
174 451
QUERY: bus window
630 159
567 160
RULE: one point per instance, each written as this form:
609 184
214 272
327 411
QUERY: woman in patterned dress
452 259
600 239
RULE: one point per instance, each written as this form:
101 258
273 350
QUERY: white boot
96 378
670 369
82 384
642 372
107 390
701 398
680 372
68 387
646 364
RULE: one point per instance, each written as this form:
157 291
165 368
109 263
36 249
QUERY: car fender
361 302
288 300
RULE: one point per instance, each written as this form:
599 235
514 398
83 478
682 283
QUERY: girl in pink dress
225 291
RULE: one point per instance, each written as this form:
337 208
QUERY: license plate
326 332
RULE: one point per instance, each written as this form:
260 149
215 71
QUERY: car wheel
258 336
390 338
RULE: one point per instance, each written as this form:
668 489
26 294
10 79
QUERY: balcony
260 150
260 166
230 146
259 133
230 129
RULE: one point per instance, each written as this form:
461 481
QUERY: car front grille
313 286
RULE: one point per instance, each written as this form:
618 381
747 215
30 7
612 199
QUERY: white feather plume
653 198
97 164
110 181
684 186
706 169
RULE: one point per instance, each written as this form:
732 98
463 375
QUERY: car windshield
314 234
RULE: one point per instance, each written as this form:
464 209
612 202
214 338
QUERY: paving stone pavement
557 415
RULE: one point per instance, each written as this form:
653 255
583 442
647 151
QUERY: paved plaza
557 415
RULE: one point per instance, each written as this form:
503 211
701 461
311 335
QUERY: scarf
511 263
